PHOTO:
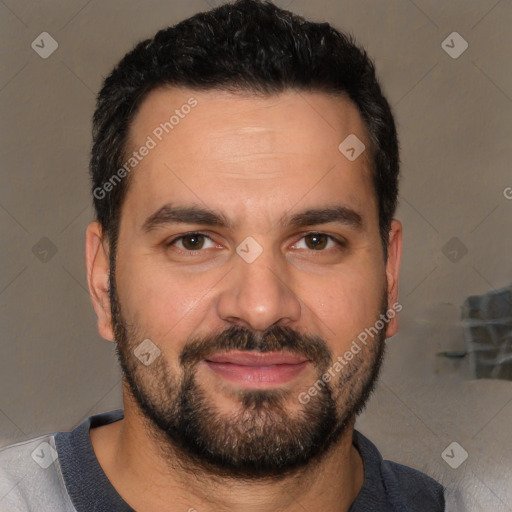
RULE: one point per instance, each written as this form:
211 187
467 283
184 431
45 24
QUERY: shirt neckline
88 485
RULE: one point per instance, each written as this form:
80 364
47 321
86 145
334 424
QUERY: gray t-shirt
60 473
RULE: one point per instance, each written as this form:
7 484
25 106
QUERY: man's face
250 312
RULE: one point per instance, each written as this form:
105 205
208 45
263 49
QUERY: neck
147 480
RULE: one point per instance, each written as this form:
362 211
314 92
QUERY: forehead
248 151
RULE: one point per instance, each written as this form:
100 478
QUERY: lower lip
257 376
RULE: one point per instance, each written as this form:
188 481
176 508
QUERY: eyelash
341 244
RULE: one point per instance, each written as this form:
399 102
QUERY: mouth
257 370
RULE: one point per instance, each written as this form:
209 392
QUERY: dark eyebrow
338 214
169 214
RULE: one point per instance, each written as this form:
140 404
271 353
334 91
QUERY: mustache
275 339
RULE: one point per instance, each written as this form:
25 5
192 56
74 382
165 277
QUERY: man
245 260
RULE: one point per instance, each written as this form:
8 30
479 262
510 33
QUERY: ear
98 269
392 273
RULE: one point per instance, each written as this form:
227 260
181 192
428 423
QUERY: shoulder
30 477
397 486
416 488
32 473
26 459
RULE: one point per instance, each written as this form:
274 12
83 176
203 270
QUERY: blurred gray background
453 106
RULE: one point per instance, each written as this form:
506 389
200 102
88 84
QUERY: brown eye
316 241
319 242
192 242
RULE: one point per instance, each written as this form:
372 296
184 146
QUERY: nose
258 295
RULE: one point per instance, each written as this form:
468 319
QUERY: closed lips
257 359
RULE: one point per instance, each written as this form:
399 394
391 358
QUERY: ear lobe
392 273
98 271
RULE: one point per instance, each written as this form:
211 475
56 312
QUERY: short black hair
245 46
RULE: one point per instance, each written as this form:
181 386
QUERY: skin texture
257 160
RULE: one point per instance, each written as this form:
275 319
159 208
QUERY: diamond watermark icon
351 147
45 455
147 352
454 455
249 249
454 45
44 250
454 250
44 45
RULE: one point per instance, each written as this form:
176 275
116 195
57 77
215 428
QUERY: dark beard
261 438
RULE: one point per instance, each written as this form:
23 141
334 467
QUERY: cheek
349 303
160 302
